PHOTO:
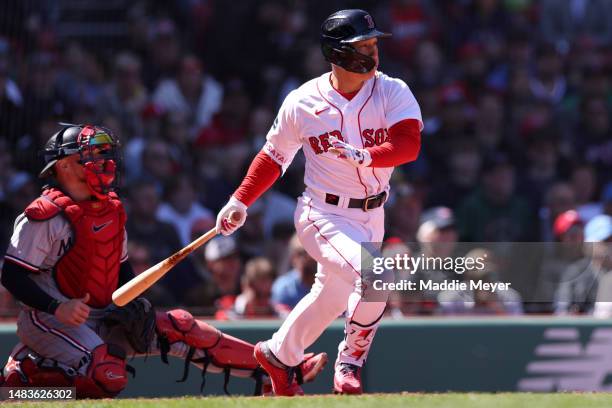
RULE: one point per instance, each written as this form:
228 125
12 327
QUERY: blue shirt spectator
288 289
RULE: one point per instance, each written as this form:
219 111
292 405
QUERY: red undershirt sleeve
262 173
402 146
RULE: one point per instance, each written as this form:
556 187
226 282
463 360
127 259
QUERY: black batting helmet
343 28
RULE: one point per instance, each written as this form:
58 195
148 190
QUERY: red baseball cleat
347 379
312 366
283 379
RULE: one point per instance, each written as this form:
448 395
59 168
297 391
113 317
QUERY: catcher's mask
343 28
98 152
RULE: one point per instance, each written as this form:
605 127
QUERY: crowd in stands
516 97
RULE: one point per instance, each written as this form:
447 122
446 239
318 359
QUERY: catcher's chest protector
91 264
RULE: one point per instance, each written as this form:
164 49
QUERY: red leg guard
222 349
233 352
180 325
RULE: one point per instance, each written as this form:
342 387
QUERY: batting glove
357 157
226 225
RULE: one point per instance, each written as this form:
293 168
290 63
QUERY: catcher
67 255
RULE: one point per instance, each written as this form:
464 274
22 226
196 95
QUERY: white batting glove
231 217
357 157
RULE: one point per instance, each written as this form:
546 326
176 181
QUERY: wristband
53 306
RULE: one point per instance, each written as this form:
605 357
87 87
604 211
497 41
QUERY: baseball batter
355 124
66 257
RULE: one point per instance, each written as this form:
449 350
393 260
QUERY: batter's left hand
225 224
357 157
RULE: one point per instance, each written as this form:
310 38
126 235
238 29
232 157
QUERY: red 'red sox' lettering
371 137
320 144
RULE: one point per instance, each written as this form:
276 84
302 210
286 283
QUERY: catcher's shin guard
216 351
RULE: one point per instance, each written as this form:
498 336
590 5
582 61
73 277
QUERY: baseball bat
132 289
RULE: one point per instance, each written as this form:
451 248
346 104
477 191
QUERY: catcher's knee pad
106 375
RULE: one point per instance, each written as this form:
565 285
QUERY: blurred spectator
181 209
437 237
584 182
411 23
518 51
125 96
174 129
480 301
455 123
40 96
547 81
191 92
80 81
558 198
461 177
291 287
254 301
157 163
473 66
595 130
579 287
164 53
230 124
494 213
429 65
160 238
225 268
541 167
567 249
489 127
404 213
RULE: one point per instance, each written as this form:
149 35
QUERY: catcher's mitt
137 319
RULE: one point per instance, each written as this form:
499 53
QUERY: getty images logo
563 363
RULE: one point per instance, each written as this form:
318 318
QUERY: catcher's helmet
98 152
341 29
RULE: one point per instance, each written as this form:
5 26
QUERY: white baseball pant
332 236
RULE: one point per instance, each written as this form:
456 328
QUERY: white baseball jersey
315 111
39 245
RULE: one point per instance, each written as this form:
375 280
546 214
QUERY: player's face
71 165
369 48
